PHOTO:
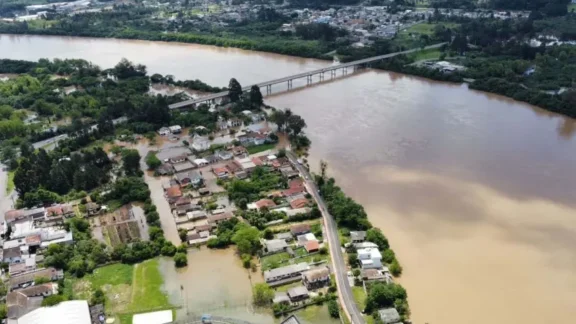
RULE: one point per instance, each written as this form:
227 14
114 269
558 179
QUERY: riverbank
557 103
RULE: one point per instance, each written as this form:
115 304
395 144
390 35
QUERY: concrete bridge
308 75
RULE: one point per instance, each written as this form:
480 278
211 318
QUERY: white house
370 258
200 143
176 129
164 131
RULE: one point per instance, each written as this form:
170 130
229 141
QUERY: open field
260 148
572 7
429 54
129 289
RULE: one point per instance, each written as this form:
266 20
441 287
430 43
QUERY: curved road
340 270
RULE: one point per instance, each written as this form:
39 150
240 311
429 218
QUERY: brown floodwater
475 192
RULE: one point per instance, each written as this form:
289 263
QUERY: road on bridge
340 270
213 96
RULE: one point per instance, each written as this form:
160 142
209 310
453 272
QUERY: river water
475 191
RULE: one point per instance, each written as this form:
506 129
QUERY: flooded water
211 64
475 192
214 282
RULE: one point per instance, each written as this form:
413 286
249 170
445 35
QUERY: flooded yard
214 282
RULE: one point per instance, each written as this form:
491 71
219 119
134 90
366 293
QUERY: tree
279 117
262 294
52 300
294 125
353 259
256 96
234 90
131 162
180 260
388 256
152 161
333 309
247 239
97 297
383 295
268 234
183 233
395 268
375 235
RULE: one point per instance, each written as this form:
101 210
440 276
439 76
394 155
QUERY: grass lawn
147 291
10 182
314 258
317 314
300 252
284 288
129 289
274 261
429 54
572 6
287 226
359 296
260 148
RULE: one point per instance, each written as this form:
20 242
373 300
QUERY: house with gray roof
389 315
286 272
274 246
297 294
357 236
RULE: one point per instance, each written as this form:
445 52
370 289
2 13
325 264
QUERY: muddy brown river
475 192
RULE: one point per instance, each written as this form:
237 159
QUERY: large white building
67 312
370 258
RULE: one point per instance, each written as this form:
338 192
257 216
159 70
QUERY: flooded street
475 192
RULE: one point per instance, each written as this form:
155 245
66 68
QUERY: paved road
340 270
190 102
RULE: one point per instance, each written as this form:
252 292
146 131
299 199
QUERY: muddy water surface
475 192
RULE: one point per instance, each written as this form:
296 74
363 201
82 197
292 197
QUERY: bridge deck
300 75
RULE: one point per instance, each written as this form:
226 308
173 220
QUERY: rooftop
286 270
357 235
297 291
67 312
173 192
389 315
316 273
275 245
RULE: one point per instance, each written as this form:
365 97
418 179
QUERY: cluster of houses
298 237
312 279
369 258
181 159
27 232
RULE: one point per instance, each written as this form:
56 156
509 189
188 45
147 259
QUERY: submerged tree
234 90
256 96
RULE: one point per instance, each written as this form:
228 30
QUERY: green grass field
10 182
429 54
147 291
572 6
274 261
260 148
129 289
